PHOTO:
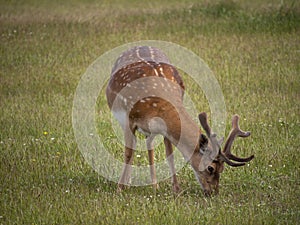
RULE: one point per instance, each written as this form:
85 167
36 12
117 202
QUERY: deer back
144 84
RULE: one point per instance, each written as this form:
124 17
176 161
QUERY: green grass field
253 48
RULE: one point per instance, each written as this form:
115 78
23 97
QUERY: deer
145 94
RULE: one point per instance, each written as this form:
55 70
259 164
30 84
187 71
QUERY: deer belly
153 126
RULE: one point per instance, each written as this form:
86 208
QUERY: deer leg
150 148
170 158
130 143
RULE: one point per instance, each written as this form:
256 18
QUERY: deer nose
213 190
207 193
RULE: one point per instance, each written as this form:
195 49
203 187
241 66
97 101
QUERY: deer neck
184 134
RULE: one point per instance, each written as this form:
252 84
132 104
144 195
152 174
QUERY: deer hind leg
170 158
150 148
130 144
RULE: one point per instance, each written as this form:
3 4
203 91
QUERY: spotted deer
145 93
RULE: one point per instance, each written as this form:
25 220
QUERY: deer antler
236 131
226 154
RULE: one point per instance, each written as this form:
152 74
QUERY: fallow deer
145 93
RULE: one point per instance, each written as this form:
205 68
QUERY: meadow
253 48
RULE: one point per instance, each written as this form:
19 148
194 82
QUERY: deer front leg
170 158
150 148
130 143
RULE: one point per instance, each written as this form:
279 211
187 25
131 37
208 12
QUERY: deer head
213 157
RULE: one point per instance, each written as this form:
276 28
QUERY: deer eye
210 169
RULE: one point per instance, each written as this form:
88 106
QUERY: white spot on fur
161 71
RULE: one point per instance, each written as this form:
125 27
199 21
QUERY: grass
253 49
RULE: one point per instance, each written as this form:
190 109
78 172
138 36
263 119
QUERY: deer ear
203 141
204 123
